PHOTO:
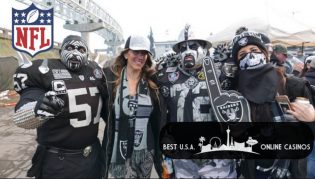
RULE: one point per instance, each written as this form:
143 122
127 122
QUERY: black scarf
259 85
125 123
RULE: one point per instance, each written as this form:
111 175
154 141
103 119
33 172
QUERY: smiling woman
135 119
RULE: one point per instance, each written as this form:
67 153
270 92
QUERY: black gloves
49 105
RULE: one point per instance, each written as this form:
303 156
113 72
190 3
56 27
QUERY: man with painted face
185 90
61 98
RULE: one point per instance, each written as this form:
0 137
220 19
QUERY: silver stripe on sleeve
26 118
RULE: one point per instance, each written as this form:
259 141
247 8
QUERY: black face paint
74 54
192 53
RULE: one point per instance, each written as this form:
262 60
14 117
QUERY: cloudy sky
168 17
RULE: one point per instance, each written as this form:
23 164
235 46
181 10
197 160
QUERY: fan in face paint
74 54
192 53
192 50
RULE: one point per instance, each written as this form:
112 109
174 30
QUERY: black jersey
186 94
77 125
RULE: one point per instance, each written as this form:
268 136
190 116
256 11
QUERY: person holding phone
260 82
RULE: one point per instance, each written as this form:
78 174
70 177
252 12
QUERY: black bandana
259 85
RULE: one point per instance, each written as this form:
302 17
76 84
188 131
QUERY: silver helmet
192 50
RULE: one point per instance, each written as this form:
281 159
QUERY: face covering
252 61
259 85
74 54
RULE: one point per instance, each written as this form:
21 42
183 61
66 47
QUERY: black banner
207 140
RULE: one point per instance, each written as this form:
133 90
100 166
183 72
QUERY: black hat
247 38
265 39
73 37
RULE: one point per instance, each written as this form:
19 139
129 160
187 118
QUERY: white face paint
74 54
192 53
252 61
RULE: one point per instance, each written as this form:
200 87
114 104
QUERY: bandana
252 61
259 85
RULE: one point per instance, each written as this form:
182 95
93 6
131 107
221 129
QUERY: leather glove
168 59
49 105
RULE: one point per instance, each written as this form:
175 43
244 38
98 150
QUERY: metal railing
84 11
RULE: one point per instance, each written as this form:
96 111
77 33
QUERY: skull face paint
192 53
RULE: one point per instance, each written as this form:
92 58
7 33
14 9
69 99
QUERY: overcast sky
168 17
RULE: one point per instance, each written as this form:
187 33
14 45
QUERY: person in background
134 112
279 58
310 77
298 65
259 81
61 98
310 70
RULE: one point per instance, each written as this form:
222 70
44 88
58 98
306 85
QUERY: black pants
65 165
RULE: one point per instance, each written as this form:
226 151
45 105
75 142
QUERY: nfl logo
32 30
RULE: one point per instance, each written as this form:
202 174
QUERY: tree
152 46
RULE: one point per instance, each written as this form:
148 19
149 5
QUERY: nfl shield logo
32 30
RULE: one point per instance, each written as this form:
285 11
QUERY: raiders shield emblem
123 148
32 30
231 111
138 138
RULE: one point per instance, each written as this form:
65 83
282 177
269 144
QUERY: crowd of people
64 99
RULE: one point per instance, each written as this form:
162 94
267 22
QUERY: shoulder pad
30 76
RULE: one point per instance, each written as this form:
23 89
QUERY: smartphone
283 103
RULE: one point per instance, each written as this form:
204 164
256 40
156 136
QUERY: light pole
303 46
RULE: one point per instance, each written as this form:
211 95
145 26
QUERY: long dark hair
146 72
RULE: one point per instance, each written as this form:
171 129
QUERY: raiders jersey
186 95
77 125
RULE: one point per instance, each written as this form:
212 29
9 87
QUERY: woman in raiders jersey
134 113
61 99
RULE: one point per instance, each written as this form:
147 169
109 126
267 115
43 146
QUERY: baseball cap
280 49
137 42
